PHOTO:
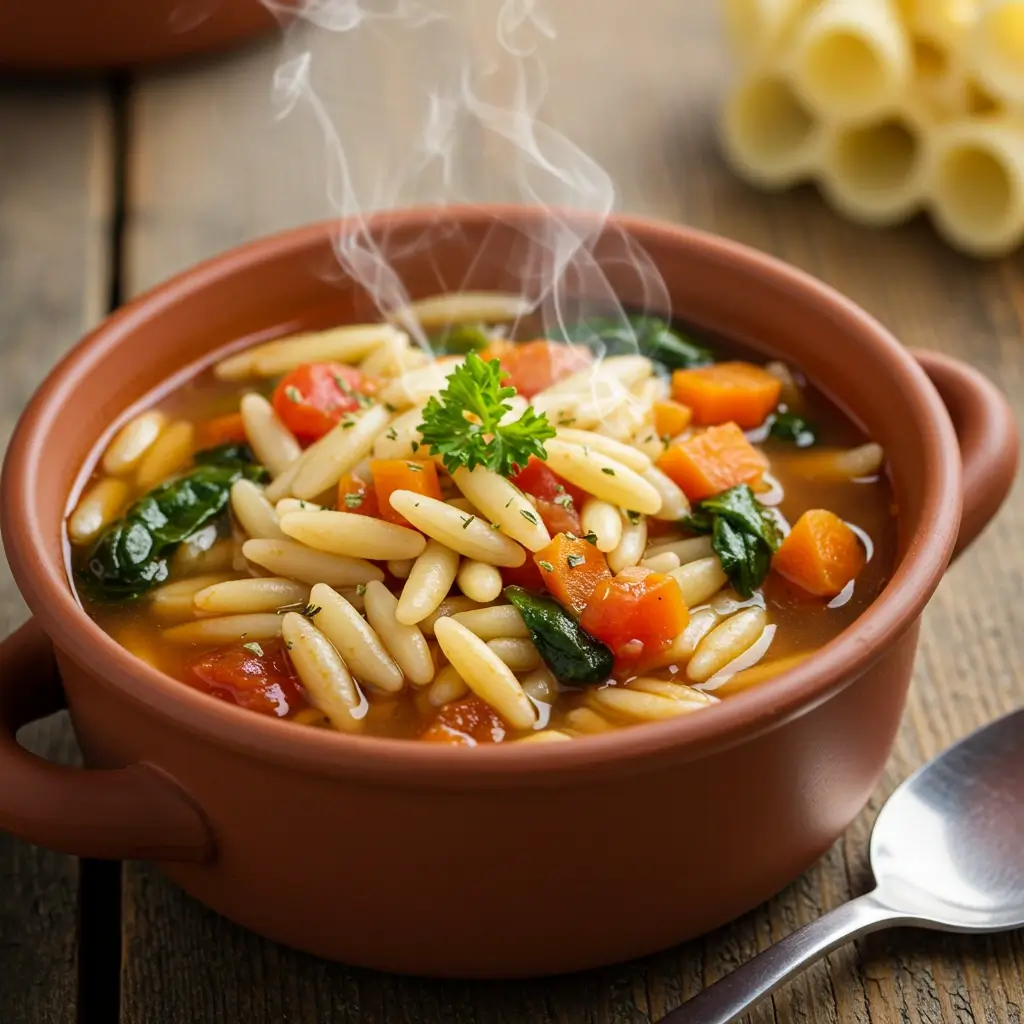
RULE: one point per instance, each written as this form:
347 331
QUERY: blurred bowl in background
90 35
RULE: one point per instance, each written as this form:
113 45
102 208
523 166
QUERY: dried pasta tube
485 673
517 653
238 597
875 173
432 576
850 58
700 580
768 134
502 620
757 28
98 507
298 562
323 673
617 450
996 48
977 185
272 442
603 477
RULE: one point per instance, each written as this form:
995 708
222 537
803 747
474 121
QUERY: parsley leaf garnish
474 390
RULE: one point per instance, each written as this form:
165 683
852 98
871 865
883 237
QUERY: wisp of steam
480 80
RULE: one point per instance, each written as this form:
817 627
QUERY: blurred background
118 175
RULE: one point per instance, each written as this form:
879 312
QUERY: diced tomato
391 475
258 676
312 398
465 723
637 614
358 496
558 501
535 365
527 576
222 430
571 568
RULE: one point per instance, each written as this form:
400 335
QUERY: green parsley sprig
462 422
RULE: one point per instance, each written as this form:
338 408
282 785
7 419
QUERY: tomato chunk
358 496
257 676
558 501
738 392
527 576
571 569
821 554
391 475
713 461
535 365
312 398
636 614
465 723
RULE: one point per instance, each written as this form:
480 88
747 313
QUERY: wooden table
107 187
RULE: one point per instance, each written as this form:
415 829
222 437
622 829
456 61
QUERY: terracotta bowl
77 35
495 862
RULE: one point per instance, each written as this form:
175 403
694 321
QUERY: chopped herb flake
575 560
360 589
311 611
292 393
608 470
467 521
392 434
546 566
415 467
528 516
353 500
255 648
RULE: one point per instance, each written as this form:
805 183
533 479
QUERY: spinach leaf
743 534
130 556
459 339
788 426
228 454
574 656
650 335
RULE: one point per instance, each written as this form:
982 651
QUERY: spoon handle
732 995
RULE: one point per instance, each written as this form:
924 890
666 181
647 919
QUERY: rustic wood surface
55 191
209 167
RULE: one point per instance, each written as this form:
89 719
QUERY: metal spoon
947 853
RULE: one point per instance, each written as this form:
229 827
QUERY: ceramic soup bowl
501 861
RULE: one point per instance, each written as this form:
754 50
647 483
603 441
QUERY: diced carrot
402 475
821 554
671 418
636 614
222 430
713 461
571 568
465 723
740 392
356 495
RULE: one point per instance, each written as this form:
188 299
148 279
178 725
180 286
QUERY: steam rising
481 83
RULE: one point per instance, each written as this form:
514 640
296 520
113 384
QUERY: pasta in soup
510 539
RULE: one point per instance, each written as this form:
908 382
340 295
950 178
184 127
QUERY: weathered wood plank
55 146
207 174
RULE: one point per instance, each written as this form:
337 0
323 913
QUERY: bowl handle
987 432
134 812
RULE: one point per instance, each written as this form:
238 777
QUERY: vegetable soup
508 539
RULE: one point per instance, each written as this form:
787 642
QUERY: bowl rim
837 664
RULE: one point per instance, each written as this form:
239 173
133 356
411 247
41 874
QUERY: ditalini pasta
508 537
891 106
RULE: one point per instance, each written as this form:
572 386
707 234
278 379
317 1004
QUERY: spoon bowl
948 845
947 853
